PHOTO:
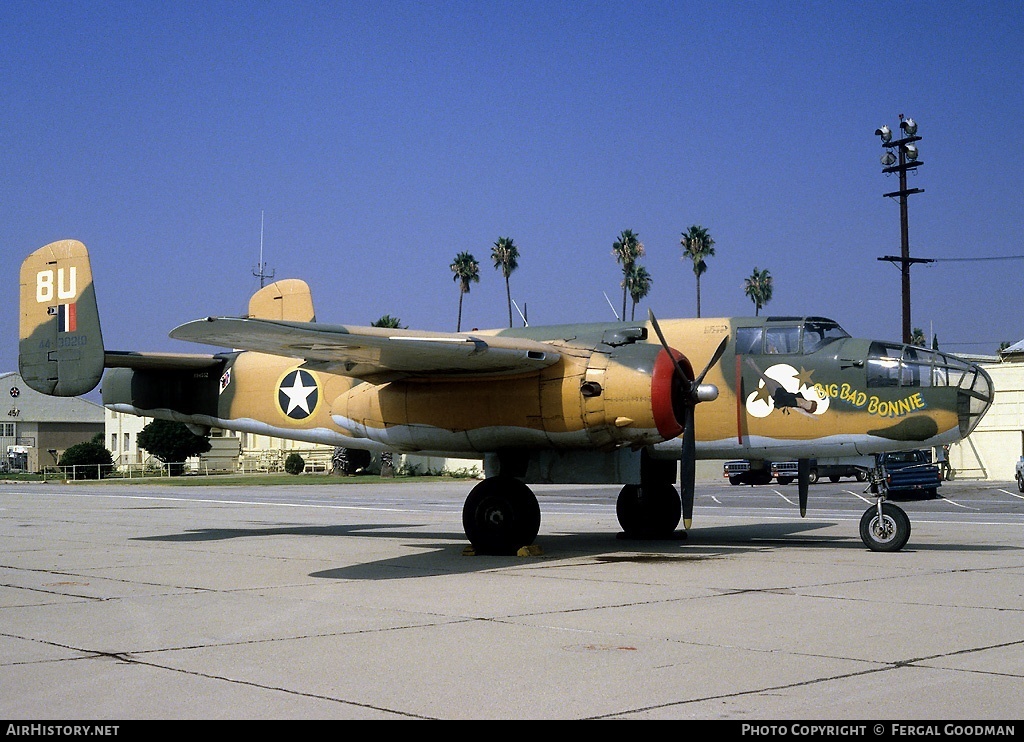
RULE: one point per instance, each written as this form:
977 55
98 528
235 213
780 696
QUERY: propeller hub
705 393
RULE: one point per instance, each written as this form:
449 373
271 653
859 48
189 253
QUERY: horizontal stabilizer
160 361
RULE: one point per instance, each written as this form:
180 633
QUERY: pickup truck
742 472
786 471
1020 473
908 473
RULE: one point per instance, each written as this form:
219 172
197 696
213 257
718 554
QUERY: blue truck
906 474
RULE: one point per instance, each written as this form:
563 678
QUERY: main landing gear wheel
501 515
649 511
888 533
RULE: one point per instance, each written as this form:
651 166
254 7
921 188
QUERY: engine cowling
630 397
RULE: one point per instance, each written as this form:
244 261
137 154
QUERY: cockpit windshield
789 336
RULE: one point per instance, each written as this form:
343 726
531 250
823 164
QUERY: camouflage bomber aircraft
586 404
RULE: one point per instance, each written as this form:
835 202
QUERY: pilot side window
782 340
748 340
819 334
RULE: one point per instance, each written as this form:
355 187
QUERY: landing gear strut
883 527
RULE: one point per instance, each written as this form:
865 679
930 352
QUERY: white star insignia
299 393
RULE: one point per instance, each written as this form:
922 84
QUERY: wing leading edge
374 353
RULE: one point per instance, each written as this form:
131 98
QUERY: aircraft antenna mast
261 269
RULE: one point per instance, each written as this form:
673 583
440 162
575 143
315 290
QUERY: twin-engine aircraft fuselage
592 403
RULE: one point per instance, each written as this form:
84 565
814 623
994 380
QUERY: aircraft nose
975 394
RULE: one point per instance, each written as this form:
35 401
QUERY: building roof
31 406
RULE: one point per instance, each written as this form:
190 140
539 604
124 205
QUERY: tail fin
60 347
289 299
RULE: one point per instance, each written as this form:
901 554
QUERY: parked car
908 473
1020 473
786 471
744 472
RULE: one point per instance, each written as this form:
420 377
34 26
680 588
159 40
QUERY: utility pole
905 159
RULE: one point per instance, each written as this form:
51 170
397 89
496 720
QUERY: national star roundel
298 394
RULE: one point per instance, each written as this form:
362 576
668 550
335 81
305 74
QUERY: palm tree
698 245
759 288
638 284
505 255
388 321
627 249
917 338
466 271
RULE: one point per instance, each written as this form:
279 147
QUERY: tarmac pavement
356 601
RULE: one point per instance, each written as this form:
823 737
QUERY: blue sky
380 139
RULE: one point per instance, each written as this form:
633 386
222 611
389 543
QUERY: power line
961 260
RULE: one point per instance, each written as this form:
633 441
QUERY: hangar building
37 429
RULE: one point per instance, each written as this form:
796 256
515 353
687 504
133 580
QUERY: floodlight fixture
900 156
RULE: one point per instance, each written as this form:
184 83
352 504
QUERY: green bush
91 460
294 464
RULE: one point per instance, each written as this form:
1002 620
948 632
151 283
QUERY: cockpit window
884 364
818 334
782 339
748 340
805 336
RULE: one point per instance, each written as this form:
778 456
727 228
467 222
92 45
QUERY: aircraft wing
374 353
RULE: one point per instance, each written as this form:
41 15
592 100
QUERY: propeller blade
665 345
715 358
688 468
688 458
803 478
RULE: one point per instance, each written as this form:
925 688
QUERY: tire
735 481
812 476
648 511
862 476
785 480
1020 482
889 534
501 515
833 478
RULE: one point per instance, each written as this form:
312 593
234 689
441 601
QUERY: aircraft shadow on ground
444 552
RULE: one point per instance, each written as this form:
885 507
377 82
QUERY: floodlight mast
904 160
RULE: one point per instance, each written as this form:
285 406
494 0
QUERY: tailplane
60 347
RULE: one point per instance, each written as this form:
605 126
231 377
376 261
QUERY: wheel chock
531 550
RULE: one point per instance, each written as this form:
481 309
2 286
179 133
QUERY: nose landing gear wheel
890 532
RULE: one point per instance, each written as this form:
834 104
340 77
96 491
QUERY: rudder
60 350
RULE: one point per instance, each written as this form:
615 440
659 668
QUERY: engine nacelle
628 397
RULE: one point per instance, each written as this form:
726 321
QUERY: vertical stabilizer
60 350
289 300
